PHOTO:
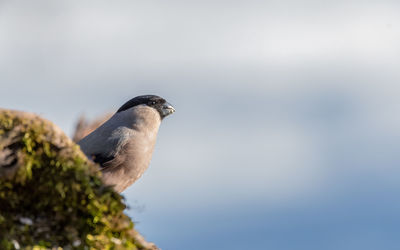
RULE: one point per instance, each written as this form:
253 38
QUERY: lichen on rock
51 196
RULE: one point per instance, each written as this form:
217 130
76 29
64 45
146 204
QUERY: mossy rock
51 196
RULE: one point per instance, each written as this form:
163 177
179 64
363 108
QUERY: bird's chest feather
135 153
139 150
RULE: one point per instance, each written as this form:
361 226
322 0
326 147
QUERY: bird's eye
152 103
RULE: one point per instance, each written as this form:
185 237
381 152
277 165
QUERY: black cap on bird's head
156 102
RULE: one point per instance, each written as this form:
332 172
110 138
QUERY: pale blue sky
287 128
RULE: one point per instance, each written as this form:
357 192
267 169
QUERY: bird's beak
167 109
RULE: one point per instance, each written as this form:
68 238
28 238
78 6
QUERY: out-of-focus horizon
286 130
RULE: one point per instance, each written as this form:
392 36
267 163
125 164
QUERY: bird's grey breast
130 162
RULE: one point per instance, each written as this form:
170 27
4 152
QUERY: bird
123 145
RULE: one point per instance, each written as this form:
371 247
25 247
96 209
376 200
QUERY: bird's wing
113 158
101 159
109 162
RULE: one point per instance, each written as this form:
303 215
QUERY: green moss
51 195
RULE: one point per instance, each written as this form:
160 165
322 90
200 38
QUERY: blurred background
287 129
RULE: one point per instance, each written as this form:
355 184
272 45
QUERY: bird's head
153 101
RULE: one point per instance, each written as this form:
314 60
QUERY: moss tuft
50 195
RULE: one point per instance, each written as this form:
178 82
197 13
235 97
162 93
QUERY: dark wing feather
109 163
100 159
